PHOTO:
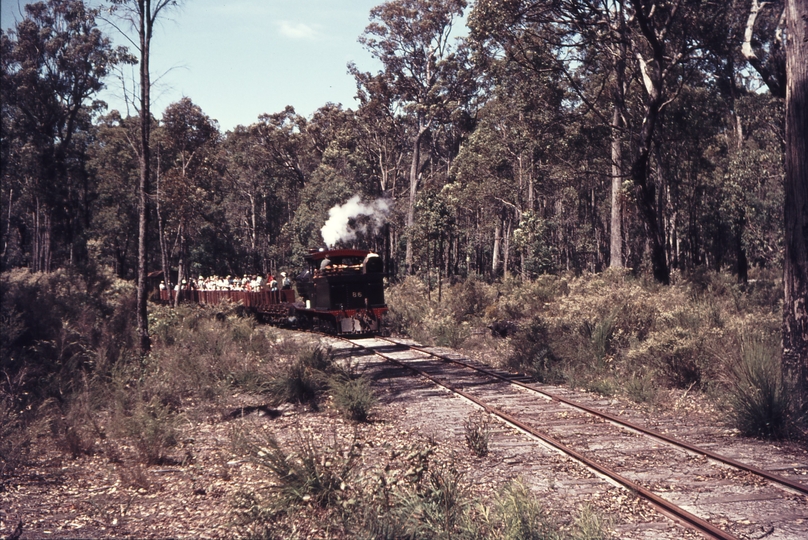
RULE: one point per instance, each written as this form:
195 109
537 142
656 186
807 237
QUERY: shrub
478 433
15 438
469 299
304 379
599 335
590 525
353 397
57 327
195 353
317 358
759 398
522 517
446 332
313 473
153 427
437 507
532 353
408 305
642 388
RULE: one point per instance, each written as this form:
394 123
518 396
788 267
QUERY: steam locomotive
340 291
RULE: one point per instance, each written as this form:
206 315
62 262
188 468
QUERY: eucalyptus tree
423 71
115 207
764 43
141 16
53 63
188 176
776 45
500 170
249 190
585 43
795 302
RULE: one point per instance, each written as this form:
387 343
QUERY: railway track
718 496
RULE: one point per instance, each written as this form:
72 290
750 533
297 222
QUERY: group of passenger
248 283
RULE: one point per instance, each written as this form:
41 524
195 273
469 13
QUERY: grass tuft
478 433
759 399
353 397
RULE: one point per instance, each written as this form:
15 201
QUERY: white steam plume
338 227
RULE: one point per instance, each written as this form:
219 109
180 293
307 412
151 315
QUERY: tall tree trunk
506 247
414 166
495 256
180 264
795 267
36 239
616 234
161 237
618 98
7 233
646 191
46 244
145 26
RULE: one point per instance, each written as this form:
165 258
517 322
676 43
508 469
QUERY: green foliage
15 437
600 334
591 525
58 328
438 507
153 428
206 351
55 61
353 397
533 238
313 473
759 398
303 473
303 380
522 517
642 388
533 354
478 433
446 323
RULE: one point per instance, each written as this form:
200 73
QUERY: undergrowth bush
304 379
478 433
611 333
353 396
403 492
759 398
57 327
522 516
533 353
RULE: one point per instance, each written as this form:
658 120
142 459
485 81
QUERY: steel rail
775 478
666 507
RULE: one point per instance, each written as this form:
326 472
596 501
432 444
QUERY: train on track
341 291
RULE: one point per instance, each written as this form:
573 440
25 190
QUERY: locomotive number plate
356 294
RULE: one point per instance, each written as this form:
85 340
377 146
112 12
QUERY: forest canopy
555 136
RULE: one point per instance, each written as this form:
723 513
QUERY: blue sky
238 59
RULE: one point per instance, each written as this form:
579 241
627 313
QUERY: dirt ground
108 493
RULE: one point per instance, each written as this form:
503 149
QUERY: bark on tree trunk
506 247
144 33
795 267
161 238
180 265
7 233
416 160
616 234
495 257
